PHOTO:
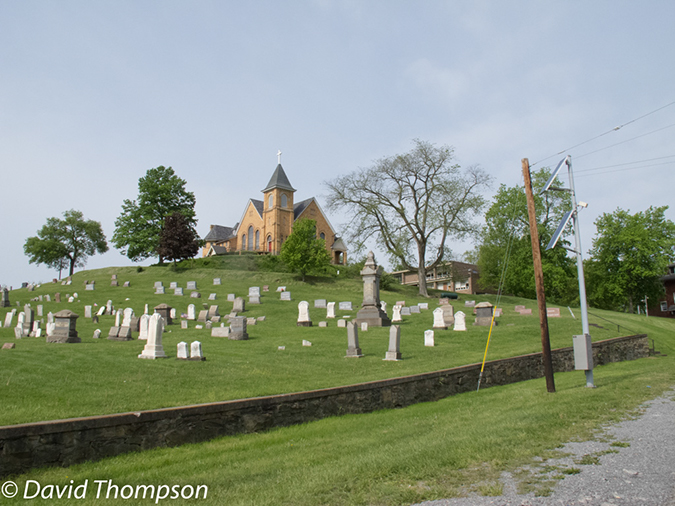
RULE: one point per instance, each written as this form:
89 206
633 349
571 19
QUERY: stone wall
67 442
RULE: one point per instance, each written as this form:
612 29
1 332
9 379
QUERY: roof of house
217 250
219 233
279 180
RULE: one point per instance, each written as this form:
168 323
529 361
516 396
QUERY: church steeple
279 180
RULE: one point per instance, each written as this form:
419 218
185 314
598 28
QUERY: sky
93 94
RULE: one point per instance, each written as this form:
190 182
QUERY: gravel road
632 463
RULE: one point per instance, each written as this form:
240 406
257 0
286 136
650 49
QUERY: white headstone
191 314
196 350
383 305
306 343
396 316
172 313
303 312
154 349
182 351
342 323
345 306
231 297
97 334
87 311
364 326
439 319
118 318
330 310
428 338
143 324
128 315
285 295
460 321
145 309
101 311
216 281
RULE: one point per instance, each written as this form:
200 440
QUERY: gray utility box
583 352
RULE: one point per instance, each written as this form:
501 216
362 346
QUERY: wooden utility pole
538 279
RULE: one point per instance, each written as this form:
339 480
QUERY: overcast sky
95 93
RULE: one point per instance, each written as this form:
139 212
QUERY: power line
627 140
627 168
603 134
627 163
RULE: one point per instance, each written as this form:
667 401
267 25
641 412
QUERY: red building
665 307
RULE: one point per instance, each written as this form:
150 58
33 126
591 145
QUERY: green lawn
99 376
426 451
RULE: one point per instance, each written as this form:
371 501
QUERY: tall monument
371 312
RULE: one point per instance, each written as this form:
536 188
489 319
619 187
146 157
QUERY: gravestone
87 311
460 321
90 286
428 338
285 295
164 310
178 291
415 309
126 284
57 297
8 346
39 310
220 332
448 314
323 324
64 328
29 318
143 324
114 282
128 314
266 288
483 314
364 326
396 313
159 290
341 323
97 334
183 324
71 299
172 313
423 305
371 311
173 285
101 311
212 296
48 298
281 288
203 316
191 285
353 349
239 306
303 314
191 315
196 351
159 284
518 308
254 291
195 295
108 307
400 303
470 303
216 281
405 311
18 332
330 310
498 312
231 297
394 352
345 306
383 306
9 317
153 348
238 329
213 311
254 299
320 303
551 312
525 312
5 298
251 321
439 320
305 342
182 351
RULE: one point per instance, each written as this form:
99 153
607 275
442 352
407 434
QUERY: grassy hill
427 451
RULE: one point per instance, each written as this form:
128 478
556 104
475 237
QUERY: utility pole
539 279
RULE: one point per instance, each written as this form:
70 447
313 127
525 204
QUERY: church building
265 224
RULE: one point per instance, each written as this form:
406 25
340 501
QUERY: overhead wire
604 133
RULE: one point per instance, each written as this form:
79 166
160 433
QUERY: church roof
219 233
279 180
259 206
299 207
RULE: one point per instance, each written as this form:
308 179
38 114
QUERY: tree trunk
72 267
422 278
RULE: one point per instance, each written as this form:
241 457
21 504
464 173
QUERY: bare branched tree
413 204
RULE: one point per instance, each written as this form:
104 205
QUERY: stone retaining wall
67 442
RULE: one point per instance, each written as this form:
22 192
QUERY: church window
323 236
257 240
269 243
250 238
270 202
243 241
284 200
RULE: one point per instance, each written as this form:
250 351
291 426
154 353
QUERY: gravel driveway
633 464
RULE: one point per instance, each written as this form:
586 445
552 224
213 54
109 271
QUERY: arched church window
323 236
257 240
284 200
270 202
243 241
250 238
269 243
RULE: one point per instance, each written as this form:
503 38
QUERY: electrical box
583 353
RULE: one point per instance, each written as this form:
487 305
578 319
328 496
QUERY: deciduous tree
413 204
629 255
68 242
179 239
302 251
138 229
507 229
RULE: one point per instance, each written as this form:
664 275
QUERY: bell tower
278 214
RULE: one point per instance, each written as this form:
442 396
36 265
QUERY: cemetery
105 376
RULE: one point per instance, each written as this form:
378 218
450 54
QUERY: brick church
265 224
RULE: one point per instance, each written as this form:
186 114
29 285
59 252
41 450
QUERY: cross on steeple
279 157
